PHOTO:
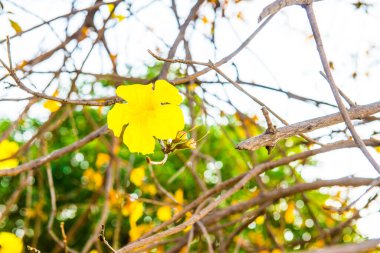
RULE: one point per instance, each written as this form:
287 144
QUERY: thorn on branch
271 128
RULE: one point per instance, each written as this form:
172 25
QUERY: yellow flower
289 214
52 105
136 211
92 179
10 243
115 198
7 149
149 189
101 159
164 213
137 176
260 220
148 113
136 231
188 216
160 249
178 195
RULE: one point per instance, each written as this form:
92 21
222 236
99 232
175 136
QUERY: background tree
230 182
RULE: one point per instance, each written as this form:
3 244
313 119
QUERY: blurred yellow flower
94 251
149 189
164 213
7 149
289 213
137 176
136 231
178 195
116 198
160 249
92 179
183 250
10 243
52 105
260 220
136 211
101 159
188 216
149 113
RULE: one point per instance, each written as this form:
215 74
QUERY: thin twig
102 238
30 248
159 186
55 154
225 59
207 236
334 89
64 237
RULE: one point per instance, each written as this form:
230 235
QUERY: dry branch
276 6
307 126
334 87
55 154
349 248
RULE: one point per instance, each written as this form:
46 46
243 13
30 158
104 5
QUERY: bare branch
349 248
307 126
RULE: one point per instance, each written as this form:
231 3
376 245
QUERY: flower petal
136 93
167 93
8 164
167 121
138 138
117 117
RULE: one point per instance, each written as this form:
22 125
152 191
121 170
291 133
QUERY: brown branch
334 89
238 182
307 126
207 236
30 248
102 238
93 7
249 219
55 154
180 37
13 126
64 237
348 248
159 186
285 192
265 166
348 100
276 6
235 84
225 59
106 208
53 211
13 199
88 102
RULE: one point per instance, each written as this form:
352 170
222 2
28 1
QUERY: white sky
281 56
